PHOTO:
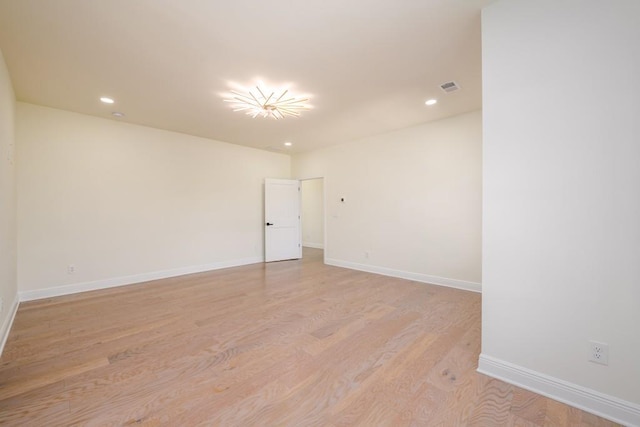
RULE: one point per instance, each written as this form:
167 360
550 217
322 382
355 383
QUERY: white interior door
282 237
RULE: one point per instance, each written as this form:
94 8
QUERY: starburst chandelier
264 102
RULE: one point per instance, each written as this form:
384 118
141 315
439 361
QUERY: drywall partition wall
561 211
313 213
103 203
406 203
8 283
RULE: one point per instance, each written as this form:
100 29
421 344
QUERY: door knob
268 224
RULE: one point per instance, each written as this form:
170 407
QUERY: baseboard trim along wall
313 245
417 277
605 406
8 321
130 280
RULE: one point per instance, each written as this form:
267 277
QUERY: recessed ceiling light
288 144
431 101
264 101
117 114
107 100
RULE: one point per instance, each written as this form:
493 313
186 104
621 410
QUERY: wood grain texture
294 343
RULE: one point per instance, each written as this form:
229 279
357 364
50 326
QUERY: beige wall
313 213
562 198
8 284
124 203
412 201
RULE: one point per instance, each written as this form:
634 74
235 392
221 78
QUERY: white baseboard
129 280
417 277
605 406
313 245
8 321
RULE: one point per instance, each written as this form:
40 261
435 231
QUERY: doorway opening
313 218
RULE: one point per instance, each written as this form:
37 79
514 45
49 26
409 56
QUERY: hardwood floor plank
529 406
492 405
21 383
294 343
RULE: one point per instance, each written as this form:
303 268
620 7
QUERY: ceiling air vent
449 87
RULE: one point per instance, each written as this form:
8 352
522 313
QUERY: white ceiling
368 64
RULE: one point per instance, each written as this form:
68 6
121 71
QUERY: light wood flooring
294 343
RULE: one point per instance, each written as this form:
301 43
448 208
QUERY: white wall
8 284
124 203
412 201
313 213
561 255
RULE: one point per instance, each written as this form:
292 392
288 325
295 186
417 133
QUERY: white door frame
324 215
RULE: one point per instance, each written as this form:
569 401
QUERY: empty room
320 213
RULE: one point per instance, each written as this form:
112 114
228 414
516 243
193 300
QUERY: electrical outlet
599 352
71 269
367 254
